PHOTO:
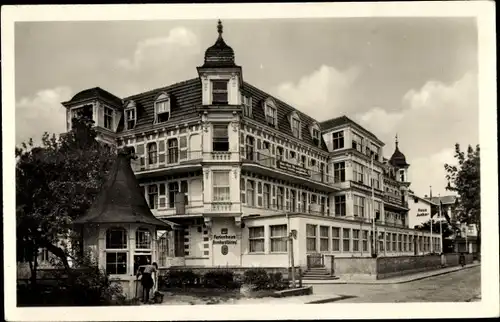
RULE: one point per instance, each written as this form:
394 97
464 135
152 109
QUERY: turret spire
219 28
396 140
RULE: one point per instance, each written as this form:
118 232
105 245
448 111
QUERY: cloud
429 123
162 51
322 94
41 113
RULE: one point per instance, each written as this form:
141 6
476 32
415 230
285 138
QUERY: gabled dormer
271 112
295 124
130 115
315 134
162 107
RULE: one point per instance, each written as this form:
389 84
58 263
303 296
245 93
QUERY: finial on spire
396 140
219 28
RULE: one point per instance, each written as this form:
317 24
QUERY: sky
414 77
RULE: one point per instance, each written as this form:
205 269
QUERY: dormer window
219 92
108 118
247 105
316 134
338 140
271 113
296 126
162 108
130 116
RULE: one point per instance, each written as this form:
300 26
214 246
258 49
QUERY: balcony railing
396 201
179 207
290 165
160 161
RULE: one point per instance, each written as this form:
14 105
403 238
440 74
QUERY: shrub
276 281
180 278
220 279
257 277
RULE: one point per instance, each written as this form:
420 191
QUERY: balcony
395 202
222 207
221 156
167 164
397 224
179 208
290 170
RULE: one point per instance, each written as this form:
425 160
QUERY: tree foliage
464 179
447 229
57 182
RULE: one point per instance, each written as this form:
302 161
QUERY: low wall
403 265
235 270
353 267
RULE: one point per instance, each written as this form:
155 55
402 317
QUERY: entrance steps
318 273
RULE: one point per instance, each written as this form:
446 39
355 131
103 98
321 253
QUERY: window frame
219 91
338 140
310 237
323 238
336 238
221 187
149 238
252 239
281 238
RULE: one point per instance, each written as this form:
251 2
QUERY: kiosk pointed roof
121 199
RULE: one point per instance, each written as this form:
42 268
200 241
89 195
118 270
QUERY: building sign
224 249
224 240
422 212
290 167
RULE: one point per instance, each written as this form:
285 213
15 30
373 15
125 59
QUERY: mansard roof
343 120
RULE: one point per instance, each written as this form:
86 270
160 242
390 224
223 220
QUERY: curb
381 282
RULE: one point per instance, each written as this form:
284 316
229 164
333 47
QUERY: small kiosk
119 229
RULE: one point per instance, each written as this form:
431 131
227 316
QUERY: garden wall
235 270
353 267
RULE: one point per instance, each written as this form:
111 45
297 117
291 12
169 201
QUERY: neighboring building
420 211
238 169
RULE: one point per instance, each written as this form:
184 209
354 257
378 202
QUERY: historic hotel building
237 170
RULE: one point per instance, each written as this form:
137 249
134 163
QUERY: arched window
152 153
162 108
142 238
153 196
173 151
116 251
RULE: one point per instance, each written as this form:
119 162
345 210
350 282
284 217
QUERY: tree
464 179
448 231
56 183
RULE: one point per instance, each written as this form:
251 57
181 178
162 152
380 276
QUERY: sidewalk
393 280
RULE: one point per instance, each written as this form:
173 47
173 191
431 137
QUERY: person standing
147 280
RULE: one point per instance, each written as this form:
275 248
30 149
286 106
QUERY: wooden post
292 260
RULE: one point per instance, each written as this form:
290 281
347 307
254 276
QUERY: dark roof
446 200
96 92
342 120
121 199
184 98
398 159
220 54
284 110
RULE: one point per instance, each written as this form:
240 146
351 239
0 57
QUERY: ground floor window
365 240
278 238
256 239
355 240
394 243
323 235
311 237
405 243
410 243
382 242
400 240
346 239
116 262
388 241
335 239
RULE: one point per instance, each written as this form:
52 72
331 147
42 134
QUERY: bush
219 279
180 278
276 281
257 277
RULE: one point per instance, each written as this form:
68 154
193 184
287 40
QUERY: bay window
221 186
220 138
219 92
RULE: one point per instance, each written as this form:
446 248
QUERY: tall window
247 105
116 253
323 238
267 195
376 180
219 92
293 200
249 145
357 142
256 239
382 242
173 189
221 185
410 243
279 153
250 193
316 136
152 153
162 109
394 243
173 151
400 245
365 240
131 118
279 198
142 238
388 241
108 118
346 240
340 208
184 190
339 172
311 237
243 191
359 206
358 172
375 150
355 240
153 196
296 127
278 238
405 243
221 138
338 140
271 114
335 239
377 209
183 148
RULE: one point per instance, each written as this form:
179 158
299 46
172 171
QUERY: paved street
460 286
